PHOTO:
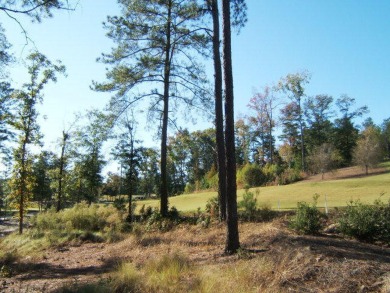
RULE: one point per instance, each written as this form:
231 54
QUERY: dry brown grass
273 259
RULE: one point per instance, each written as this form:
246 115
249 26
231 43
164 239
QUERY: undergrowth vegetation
95 223
367 222
307 218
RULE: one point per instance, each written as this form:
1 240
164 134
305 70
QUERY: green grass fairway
338 193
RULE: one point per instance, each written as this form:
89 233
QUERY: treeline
284 136
327 127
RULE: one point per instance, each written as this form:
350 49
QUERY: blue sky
345 45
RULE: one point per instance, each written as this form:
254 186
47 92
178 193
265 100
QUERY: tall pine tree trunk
164 131
220 137
232 239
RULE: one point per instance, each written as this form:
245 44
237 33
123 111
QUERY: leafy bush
212 207
189 188
366 222
157 222
211 178
307 218
271 172
120 204
248 204
145 213
251 175
289 176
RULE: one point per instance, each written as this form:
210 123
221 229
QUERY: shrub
157 222
189 188
212 178
289 176
271 172
212 207
248 204
251 175
307 218
120 204
366 222
145 213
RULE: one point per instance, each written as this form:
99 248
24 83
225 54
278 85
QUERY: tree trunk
232 239
61 171
164 131
271 145
220 137
23 183
302 136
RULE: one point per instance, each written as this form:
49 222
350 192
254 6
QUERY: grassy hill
339 188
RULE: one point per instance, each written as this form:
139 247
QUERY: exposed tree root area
273 259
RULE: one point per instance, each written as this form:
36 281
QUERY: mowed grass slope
338 191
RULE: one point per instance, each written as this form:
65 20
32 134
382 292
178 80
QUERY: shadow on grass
336 247
35 271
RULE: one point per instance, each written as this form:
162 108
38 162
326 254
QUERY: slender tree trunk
232 239
220 137
130 196
164 131
61 171
271 145
302 135
23 176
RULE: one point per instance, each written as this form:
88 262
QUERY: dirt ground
325 263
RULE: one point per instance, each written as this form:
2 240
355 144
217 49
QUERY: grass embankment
338 191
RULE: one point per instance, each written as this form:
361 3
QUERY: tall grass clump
366 222
171 273
307 219
126 279
94 223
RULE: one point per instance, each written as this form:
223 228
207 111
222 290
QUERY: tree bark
232 239
164 131
220 137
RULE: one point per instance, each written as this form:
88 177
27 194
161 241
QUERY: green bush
251 175
145 213
366 222
189 188
307 218
271 172
290 176
120 204
248 204
212 207
157 222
